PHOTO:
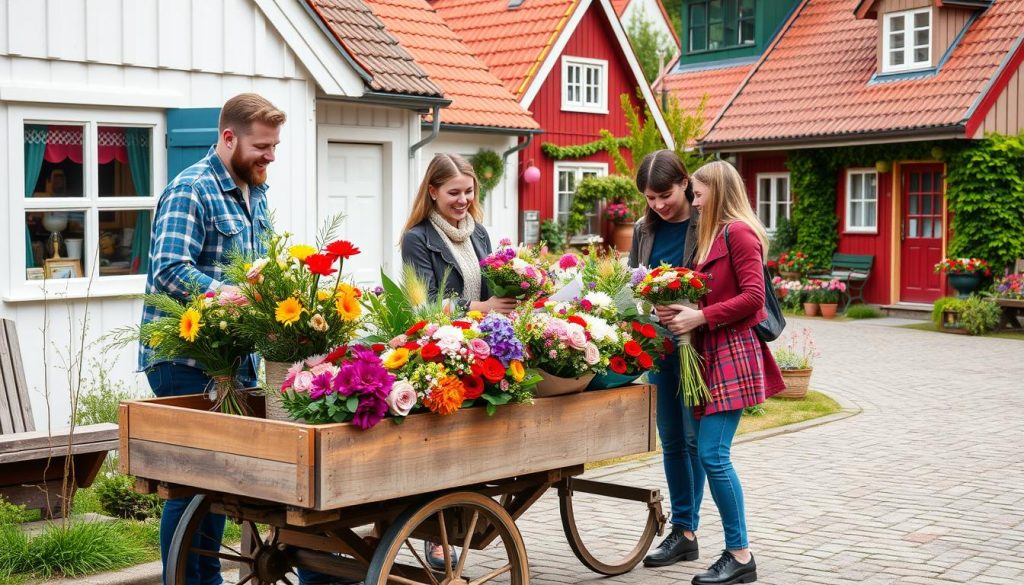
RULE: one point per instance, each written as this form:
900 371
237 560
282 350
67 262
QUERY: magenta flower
322 386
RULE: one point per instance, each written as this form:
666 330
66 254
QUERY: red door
921 232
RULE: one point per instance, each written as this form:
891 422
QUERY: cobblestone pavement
926 485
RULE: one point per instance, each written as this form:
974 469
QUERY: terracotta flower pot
552 385
810 309
828 310
622 236
276 373
797 382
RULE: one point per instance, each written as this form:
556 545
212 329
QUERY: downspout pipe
435 128
525 144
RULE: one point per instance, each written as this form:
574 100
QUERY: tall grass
73 549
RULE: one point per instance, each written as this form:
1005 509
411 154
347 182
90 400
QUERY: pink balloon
531 175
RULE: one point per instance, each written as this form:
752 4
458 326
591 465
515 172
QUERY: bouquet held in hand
666 285
514 272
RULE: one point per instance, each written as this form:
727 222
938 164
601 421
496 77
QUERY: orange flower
348 307
447 396
189 326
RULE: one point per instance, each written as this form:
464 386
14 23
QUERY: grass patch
862 312
1007 334
780 412
71 550
777 412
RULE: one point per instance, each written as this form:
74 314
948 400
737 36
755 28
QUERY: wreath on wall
488 167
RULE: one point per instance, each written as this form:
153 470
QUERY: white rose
591 354
402 398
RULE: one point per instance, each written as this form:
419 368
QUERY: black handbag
771 327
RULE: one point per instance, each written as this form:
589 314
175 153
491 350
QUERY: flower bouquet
566 346
392 308
964 266
445 367
515 272
618 213
666 285
348 384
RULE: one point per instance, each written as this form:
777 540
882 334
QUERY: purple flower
378 290
321 386
371 410
638 274
363 374
501 337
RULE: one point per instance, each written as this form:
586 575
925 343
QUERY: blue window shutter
190 134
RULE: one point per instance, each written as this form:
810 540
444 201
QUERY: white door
355 189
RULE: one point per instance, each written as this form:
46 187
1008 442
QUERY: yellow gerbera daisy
475 315
322 295
189 326
300 251
515 367
288 311
397 359
348 307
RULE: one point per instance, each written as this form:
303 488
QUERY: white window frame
909 47
582 104
849 203
19 288
578 168
773 198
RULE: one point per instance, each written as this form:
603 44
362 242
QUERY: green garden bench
852 270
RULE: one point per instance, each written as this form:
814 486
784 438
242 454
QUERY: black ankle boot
727 570
676 547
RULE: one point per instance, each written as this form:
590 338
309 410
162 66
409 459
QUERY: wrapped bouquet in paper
667 285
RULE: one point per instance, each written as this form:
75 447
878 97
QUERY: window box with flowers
964 274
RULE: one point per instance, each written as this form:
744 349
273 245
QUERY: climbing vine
594 189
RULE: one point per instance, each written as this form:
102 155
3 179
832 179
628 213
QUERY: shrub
979 315
862 312
119 499
783 239
100 398
552 235
12 513
941 305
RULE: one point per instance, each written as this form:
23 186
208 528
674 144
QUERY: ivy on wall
594 189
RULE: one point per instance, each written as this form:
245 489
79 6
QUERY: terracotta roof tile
512 41
478 97
719 84
363 35
817 80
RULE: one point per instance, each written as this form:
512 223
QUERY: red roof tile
512 41
816 81
363 35
719 84
478 97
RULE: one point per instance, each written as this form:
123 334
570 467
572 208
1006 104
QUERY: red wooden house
567 61
846 73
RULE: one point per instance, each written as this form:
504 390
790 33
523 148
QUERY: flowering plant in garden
618 213
1011 287
563 343
790 292
794 262
348 384
205 328
796 351
666 285
515 272
298 302
830 291
445 367
964 266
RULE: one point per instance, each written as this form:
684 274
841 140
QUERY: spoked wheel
262 562
655 522
452 520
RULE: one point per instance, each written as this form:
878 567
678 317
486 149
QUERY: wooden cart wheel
655 522
461 515
265 562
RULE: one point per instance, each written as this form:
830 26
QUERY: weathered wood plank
216 471
15 404
426 453
84 435
59 450
122 424
215 431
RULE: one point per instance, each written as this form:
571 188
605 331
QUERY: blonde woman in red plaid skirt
739 368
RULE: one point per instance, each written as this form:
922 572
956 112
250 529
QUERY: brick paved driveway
926 485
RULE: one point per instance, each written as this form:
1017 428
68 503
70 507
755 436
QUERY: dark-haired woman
667 234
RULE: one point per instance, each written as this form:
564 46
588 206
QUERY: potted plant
812 297
795 355
793 265
964 274
828 297
622 217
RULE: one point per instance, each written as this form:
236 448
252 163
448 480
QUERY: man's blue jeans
168 379
678 433
714 444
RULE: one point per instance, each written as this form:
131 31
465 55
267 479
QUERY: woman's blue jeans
678 433
168 379
714 444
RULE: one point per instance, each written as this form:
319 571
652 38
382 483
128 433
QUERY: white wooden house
101 101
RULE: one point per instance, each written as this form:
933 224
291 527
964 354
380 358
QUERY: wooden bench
852 270
32 463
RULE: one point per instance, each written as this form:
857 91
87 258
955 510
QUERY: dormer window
907 40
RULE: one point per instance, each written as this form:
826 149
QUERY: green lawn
1007 334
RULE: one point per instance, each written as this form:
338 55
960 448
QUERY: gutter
421 104
487 129
435 128
951 132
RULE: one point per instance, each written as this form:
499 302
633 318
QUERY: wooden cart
303 492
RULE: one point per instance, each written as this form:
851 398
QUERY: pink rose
231 297
303 381
576 336
591 355
321 368
402 398
479 348
431 329
398 341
